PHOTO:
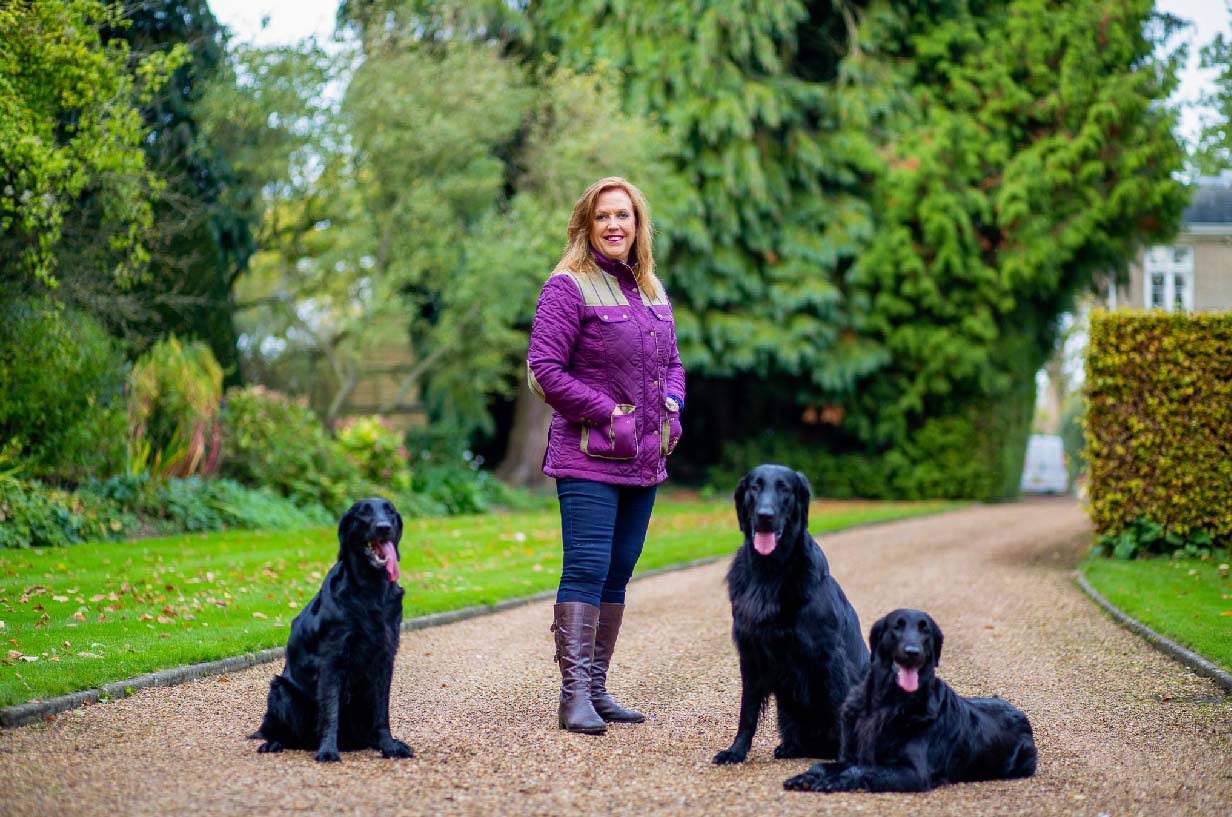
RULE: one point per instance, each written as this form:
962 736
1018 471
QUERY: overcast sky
292 20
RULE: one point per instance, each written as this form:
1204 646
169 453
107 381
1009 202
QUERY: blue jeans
603 527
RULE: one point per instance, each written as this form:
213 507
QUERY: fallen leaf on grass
259 614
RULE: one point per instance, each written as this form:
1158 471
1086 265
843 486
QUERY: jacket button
652 332
624 316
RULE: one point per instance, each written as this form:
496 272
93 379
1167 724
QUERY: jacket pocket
669 432
615 440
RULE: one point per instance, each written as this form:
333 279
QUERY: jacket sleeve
554 334
675 374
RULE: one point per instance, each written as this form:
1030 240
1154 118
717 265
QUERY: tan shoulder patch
597 288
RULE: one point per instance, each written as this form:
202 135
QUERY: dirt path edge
1160 642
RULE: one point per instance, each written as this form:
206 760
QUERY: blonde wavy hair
577 256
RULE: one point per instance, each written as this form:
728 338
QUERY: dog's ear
875 634
804 492
938 638
345 524
742 488
398 525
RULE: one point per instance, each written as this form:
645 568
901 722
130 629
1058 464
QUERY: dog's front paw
825 777
728 757
812 780
396 748
269 747
327 756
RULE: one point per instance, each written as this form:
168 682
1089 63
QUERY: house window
1169 278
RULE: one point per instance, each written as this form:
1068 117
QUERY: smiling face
614 225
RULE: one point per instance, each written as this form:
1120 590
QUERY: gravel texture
1121 729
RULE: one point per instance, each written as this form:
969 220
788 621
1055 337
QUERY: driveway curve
1121 729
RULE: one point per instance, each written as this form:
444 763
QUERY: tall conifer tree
896 202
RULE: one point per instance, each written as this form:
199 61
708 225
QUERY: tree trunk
523 462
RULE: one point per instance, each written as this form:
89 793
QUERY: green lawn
1188 600
76 617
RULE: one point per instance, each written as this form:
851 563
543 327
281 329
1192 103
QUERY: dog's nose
911 651
765 515
383 528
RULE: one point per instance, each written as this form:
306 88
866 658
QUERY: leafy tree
70 135
273 116
1214 150
1036 155
202 240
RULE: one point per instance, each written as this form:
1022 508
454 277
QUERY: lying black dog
334 691
797 635
904 729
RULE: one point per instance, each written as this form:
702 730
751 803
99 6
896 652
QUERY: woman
603 355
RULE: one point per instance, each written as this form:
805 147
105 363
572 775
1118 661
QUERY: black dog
334 691
904 729
797 635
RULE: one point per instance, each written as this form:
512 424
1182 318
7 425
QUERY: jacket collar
617 268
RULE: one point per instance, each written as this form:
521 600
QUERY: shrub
1159 417
174 394
263 509
271 441
34 515
378 452
196 504
62 404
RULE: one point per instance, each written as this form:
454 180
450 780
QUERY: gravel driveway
1121 729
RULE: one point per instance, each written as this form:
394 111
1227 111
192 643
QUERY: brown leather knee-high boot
574 623
610 616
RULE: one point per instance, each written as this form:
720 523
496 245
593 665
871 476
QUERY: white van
1043 470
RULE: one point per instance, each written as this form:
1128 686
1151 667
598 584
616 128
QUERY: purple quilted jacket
603 355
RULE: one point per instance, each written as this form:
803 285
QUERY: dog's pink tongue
391 560
908 679
764 542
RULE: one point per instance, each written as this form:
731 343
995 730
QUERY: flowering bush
378 451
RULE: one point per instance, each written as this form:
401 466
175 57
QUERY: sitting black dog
797 635
904 729
334 690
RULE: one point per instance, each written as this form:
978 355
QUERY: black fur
334 690
894 740
797 636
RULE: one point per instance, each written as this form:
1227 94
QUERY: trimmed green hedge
1159 424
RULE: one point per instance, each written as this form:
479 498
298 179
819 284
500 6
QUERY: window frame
1175 263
